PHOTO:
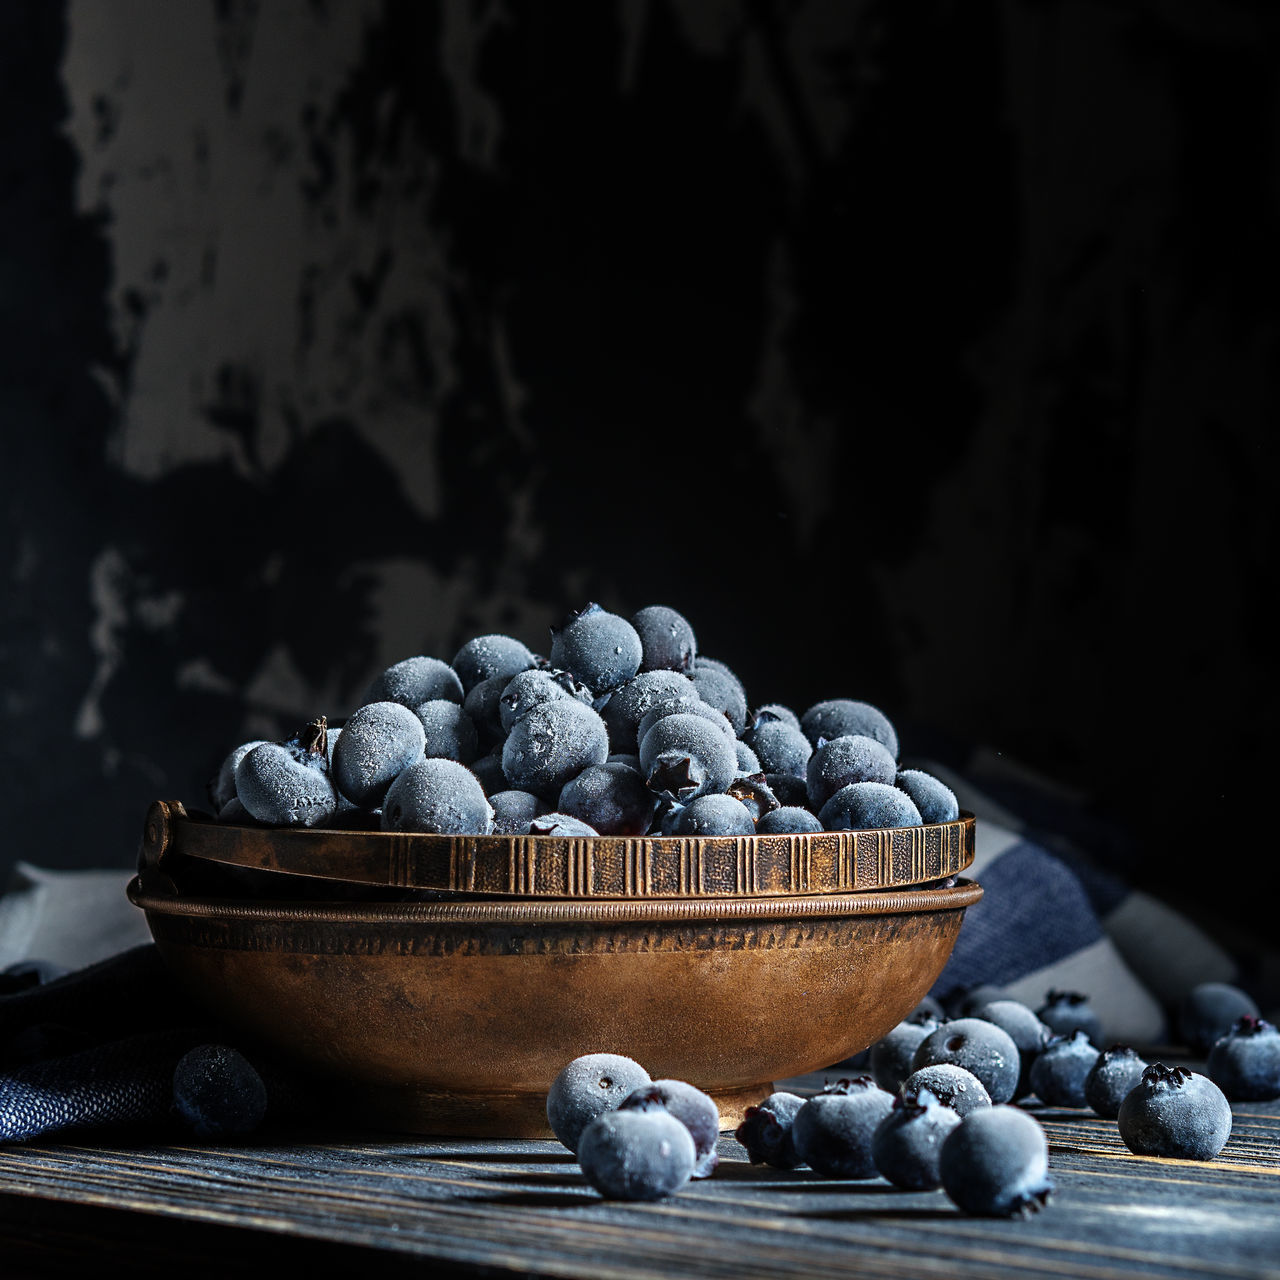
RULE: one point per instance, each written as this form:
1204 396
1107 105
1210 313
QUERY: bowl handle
157 842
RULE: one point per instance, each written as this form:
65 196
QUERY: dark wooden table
393 1206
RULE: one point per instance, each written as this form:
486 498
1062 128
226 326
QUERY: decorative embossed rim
598 868
668 910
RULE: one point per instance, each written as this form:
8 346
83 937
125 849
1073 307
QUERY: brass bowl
455 1017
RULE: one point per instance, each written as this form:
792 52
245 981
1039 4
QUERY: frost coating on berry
600 648
1245 1063
780 747
487 656
833 1131
612 798
953 1086
687 737
1059 1073
995 1163
840 762
588 1087
415 681
440 796
1175 1112
217 1092
907 1144
789 820
977 1046
890 1058
450 731
1023 1028
278 785
724 692
667 641
841 717
935 800
552 744
693 1108
714 815
636 1155
1117 1071
379 742
631 702
222 790
1066 1011
774 711
560 824
527 689
868 806
513 811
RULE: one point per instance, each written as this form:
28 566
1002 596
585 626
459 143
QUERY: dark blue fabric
1033 912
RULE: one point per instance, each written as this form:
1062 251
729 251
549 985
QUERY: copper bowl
454 1017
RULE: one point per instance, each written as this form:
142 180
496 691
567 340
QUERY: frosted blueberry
1245 1063
487 656
765 1131
379 742
560 824
1112 1077
1023 1028
907 1144
222 789
684 756
440 796
553 744
513 811
1175 1112
217 1093
977 1046
612 798
868 806
780 747
840 762
1066 1011
636 1155
631 702
1059 1073
953 1086
693 1108
714 815
667 641
288 783
833 1131
774 711
890 1058
526 690
415 681
588 1087
789 820
484 707
724 692
935 800
600 648
449 731
843 717
1209 1010
995 1163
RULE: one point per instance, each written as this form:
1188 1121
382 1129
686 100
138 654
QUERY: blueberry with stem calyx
1066 1011
1208 1011
1175 1112
586 1088
667 642
765 1131
833 1131
1245 1063
1116 1073
600 648
907 1144
1060 1070
693 1108
995 1163
288 783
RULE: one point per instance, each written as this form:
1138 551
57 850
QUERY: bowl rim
598 868
155 897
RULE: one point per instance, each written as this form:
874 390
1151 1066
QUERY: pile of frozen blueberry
946 1103
623 729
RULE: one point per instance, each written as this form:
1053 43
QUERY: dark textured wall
921 353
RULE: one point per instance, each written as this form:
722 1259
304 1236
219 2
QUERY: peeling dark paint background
920 353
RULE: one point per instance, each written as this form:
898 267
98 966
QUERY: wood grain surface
498 1208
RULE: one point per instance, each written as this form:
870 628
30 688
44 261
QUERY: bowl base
493 1115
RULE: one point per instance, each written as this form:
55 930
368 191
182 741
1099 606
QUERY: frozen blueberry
1066 1011
714 815
701 663
1245 1063
748 761
1117 1071
527 689
724 692
774 711
1208 1012
833 1131
560 824
842 717
483 705
552 744
600 648
908 1142
415 681
693 1108
234 811
217 1092
1175 1112
488 771
995 1163
929 1007
588 1087
765 1131
780 747
684 756
935 800
222 790
890 1059
489 656
1023 1028
953 1086
792 791
977 1046
685 707
631 702
450 731
513 811
868 806
288 783
841 762
379 742
1059 1072
630 758
964 1002
440 796
667 642
612 798
636 1155
789 820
